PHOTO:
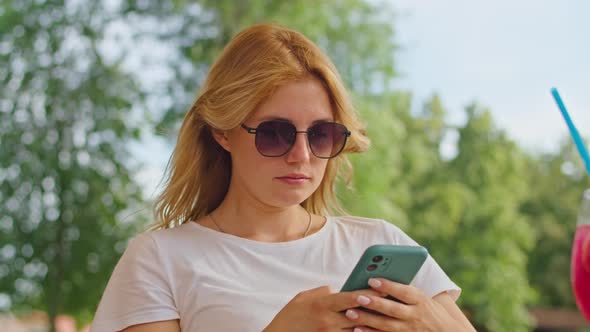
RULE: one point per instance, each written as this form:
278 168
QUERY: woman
242 241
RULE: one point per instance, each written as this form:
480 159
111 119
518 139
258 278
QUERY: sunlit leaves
64 166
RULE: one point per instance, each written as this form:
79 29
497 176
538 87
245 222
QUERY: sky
505 55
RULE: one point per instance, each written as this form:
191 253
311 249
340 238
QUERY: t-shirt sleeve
138 290
431 278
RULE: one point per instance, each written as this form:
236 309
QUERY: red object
580 269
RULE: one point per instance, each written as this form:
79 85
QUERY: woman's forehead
294 101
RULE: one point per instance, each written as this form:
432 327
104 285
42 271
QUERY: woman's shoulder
362 222
379 229
176 238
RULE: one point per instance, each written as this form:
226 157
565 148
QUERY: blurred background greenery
499 219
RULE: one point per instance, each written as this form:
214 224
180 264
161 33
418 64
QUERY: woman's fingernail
357 329
363 300
374 283
351 314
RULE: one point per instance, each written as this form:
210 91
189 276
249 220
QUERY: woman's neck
251 219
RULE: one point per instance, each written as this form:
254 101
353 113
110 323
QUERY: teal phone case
392 262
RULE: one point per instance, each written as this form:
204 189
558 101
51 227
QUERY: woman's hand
319 309
418 312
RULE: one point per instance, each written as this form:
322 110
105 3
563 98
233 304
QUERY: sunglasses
275 138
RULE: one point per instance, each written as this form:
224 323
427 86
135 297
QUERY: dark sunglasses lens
274 138
326 140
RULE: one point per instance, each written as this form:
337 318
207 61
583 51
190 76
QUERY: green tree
378 189
558 180
496 238
65 187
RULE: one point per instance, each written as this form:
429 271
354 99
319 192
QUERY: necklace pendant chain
216 224
308 224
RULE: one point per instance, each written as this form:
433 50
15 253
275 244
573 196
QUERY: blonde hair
256 62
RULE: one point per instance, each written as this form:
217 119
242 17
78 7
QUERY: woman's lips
293 179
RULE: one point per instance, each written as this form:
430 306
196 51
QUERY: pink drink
580 268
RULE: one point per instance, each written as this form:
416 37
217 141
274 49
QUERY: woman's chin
289 199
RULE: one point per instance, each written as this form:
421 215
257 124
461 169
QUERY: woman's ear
220 136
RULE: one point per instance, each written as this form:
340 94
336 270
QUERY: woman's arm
451 307
138 287
163 326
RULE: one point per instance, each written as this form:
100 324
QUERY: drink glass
580 265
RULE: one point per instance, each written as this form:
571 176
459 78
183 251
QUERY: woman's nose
300 150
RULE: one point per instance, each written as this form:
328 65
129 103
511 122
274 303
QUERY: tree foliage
65 185
557 181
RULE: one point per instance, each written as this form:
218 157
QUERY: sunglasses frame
347 133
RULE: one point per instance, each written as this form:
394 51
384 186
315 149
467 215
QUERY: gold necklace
304 234
308 224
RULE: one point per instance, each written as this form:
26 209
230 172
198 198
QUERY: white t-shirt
214 281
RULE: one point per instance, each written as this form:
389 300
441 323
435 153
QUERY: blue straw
573 131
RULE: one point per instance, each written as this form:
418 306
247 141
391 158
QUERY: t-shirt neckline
321 233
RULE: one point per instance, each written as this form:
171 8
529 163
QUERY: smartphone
392 262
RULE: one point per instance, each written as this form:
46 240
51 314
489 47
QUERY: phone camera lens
371 267
377 259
